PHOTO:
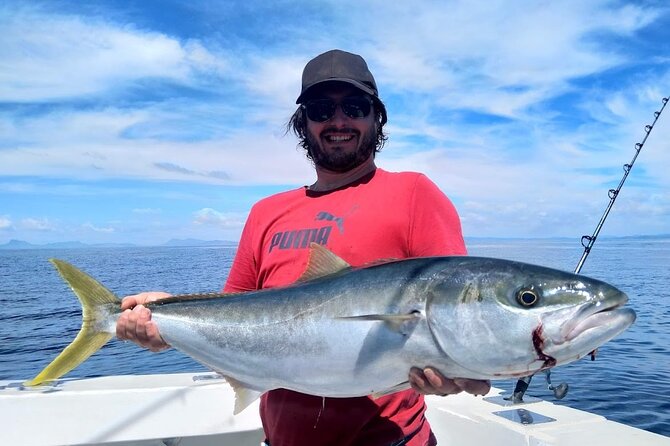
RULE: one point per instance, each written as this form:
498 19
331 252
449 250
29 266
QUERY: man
361 213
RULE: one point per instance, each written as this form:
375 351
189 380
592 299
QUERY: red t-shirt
381 216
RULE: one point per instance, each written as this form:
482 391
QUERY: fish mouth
606 315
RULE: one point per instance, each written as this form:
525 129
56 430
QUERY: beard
338 160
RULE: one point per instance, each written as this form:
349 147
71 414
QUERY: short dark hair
298 125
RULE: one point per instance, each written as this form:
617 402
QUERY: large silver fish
344 332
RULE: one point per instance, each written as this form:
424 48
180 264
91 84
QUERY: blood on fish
538 343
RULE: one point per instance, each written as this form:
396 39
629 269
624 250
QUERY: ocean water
629 382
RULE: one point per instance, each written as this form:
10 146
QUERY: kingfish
341 331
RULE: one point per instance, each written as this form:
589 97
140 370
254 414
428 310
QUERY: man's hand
430 381
135 322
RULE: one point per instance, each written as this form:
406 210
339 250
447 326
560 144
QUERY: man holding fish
362 214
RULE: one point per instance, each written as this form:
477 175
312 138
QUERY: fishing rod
614 193
587 242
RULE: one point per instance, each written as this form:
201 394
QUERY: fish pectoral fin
391 318
244 396
322 262
402 323
397 388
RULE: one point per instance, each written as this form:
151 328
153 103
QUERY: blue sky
142 121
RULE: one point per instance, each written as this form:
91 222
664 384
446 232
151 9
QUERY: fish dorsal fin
381 262
244 396
189 297
322 262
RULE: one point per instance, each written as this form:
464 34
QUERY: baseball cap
338 65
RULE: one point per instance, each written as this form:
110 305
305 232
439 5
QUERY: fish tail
98 305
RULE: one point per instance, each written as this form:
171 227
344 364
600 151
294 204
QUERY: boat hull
195 409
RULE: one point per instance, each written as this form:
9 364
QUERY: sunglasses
321 110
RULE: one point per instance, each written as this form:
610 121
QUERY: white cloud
47 57
244 158
208 216
37 224
543 181
538 170
276 78
97 229
497 56
5 223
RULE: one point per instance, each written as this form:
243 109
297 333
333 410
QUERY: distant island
20 244
191 242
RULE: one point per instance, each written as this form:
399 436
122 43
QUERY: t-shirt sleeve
435 228
243 275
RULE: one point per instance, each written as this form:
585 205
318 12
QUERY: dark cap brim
361 86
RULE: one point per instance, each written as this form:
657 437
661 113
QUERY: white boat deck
197 410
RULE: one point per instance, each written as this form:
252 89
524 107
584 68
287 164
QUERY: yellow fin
84 345
97 304
322 262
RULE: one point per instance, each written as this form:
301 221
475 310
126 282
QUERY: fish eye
527 297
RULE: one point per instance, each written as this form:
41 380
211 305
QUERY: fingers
142 298
156 341
473 386
135 322
428 382
129 302
136 325
126 325
431 381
